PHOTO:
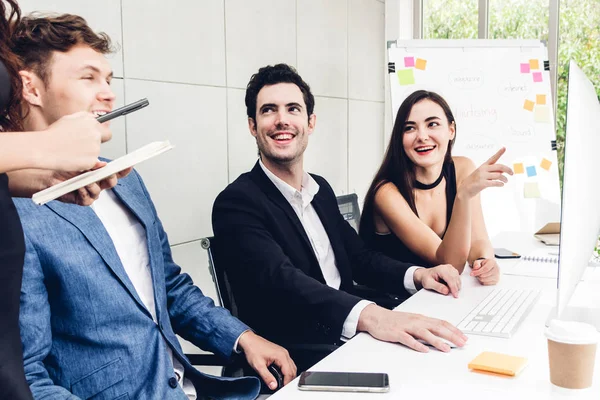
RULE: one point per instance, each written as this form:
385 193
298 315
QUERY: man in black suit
289 254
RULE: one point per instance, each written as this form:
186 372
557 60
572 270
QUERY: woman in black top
423 205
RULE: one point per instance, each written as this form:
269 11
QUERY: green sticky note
531 190
406 77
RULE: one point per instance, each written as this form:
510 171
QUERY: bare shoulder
391 207
464 167
387 189
389 197
388 193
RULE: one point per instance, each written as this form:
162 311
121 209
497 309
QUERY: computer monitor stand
589 315
584 305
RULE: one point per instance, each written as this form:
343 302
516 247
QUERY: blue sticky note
531 171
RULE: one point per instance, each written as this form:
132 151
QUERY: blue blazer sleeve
36 332
193 315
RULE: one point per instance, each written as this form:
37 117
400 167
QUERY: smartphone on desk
344 381
505 253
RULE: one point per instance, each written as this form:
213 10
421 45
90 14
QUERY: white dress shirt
301 202
129 238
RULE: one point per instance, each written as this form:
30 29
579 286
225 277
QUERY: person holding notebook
423 205
102 299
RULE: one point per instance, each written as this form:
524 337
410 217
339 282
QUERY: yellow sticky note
542 114
528 105
421 64
534 64
540 99
531 190
546 164
518 168
499 363
406 77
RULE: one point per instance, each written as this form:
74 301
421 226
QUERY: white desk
440 375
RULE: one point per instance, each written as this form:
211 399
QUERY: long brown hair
10 116
396 167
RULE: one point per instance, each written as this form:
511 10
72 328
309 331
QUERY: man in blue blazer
289 248
102 299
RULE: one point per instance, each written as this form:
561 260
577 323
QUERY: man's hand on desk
443 279
406 328
486 271
260 353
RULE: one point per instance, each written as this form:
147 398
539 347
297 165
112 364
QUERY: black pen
129 108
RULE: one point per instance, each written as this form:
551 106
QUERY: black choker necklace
423 186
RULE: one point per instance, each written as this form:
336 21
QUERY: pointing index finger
496 156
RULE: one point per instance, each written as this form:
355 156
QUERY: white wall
192 59
398 25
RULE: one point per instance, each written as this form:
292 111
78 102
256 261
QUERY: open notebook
129 160
539 263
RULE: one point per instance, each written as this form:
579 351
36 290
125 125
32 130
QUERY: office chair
348 205
237 366
302 353
231 368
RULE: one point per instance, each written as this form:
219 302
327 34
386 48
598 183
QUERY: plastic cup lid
571 332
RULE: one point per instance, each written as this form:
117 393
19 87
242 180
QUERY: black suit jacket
275 277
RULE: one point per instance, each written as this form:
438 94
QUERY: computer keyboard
500 313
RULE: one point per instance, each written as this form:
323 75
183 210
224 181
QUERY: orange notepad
498 363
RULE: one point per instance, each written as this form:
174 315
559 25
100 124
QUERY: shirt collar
309 189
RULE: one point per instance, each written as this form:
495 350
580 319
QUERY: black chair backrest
219 275
348 205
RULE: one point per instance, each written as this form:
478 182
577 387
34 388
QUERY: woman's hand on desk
443 279
406 328
486 271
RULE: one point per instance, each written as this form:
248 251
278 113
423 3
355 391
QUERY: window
518 19
450 19
579 34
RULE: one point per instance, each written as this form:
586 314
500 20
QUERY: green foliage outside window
579 36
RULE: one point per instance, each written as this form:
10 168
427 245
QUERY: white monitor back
580 219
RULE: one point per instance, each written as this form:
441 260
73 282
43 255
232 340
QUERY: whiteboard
499 92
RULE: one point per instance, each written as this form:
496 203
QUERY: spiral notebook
541 263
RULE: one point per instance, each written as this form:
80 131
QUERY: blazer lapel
276 197
88 223
136 201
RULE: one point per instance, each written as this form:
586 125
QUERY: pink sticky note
409 61
524 68
537 77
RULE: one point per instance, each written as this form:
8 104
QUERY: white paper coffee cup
572 353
